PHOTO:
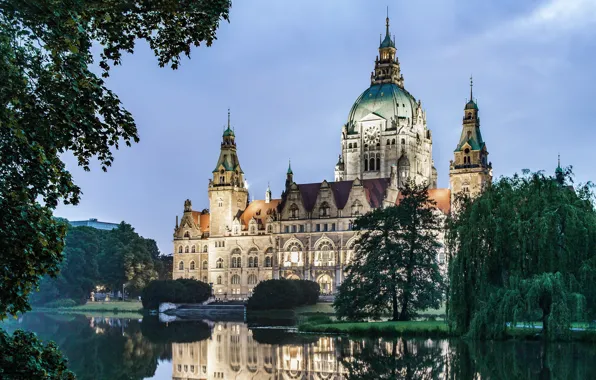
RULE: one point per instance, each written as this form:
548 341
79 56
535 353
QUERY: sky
291 70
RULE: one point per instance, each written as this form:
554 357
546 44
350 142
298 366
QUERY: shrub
175 291
64 302
283 294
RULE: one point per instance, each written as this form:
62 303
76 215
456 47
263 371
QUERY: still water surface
123 348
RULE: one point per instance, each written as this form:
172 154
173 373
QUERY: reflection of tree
520 360
101 348
281 337
176 332
392 359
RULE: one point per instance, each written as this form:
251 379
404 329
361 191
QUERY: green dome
472 105
386 100
228 132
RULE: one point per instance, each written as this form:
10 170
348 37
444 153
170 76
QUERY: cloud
548 20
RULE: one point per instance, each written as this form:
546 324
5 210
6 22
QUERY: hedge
175 291
283 294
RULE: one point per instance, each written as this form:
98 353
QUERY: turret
289 176
387 68
268 194
470 171
228 192
339 169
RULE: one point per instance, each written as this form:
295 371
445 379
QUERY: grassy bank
129 308
413 328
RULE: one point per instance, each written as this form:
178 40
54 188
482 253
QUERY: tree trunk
394 305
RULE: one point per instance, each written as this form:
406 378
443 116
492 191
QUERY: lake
144 348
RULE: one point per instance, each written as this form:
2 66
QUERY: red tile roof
441 196
201 219
259 210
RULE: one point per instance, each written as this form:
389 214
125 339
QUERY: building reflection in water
232 352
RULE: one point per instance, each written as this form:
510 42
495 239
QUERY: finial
558 160
471 85
387 21
228 118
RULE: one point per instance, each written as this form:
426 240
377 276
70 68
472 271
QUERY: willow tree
395 268
524 250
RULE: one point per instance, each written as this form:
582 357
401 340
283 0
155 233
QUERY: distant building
94 223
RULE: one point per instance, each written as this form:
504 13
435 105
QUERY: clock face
371 137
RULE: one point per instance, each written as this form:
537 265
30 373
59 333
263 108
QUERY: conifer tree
395 268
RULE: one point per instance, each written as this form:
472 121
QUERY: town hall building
307 232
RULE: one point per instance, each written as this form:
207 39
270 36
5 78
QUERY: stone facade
307 232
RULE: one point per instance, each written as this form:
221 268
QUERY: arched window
403 141
269 228
256 262
186 234
181 265
365 163
371 164
393 142
205 248
219 263
378 165
268 262
234 262
218 280
205 265
180 249
192 265
355 145
250 262
388 142
350 146
252 279
193 249
186 249
235 279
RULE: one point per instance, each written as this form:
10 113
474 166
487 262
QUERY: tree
52 102
395 267
23 356
523 250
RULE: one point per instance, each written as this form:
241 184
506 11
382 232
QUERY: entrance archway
325 284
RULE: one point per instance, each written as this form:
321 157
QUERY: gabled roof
374 190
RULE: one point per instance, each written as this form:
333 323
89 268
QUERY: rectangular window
332 226
325 227
294 228
286 229
318 228
302 228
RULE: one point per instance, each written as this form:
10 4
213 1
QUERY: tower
227 190
386 127
470 170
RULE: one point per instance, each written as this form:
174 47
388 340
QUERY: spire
228 118
471 86
559 160
268 194
290 167
471 105
387 22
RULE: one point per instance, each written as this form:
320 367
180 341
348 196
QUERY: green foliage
283 294
52 102
64 302
23 356
175 291
395 268
524 250
95 257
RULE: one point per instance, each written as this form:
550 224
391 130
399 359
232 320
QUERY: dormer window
294 211
324 210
